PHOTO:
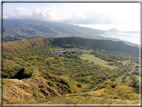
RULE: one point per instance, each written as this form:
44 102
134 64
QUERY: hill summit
113 30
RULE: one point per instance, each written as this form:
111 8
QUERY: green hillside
94 44
96 60
31 62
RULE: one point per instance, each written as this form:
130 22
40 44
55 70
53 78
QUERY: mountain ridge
46 29
60 27
104 44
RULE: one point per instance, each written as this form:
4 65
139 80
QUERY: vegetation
32 61
114 56
96 60
36 28
110 94
96 44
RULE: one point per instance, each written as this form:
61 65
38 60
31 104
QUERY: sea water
130 37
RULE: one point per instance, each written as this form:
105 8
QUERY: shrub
63 81
5 75
70 90
29 65
113 79
86 60
92 63
51 83
123 81
23 73
79 85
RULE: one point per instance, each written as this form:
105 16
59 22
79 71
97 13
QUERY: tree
113 79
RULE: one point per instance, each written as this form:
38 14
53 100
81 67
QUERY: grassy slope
24 45
67 98
97 60
24 91
120 94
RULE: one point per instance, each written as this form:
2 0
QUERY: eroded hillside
25 90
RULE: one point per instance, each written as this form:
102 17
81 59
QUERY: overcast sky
122 16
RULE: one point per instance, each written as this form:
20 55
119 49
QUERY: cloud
92 17
78 15
51 14
62 16
5 17
46 14
18 13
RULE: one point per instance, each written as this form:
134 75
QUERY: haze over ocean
130 37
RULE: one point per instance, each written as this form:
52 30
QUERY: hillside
107 93
45 28
25 89
94 44
60 75
91 43
51 90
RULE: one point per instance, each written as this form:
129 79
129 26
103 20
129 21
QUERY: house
58 51
61 51
80 51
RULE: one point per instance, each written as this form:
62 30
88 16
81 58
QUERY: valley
70 53
70 70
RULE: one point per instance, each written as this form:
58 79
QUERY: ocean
130 37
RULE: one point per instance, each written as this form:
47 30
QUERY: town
13 38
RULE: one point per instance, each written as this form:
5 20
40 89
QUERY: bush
70 90
86 60
79 85
23 73
63 81
29 64
123 81
113 79
51 83
136 73
5 75
92 63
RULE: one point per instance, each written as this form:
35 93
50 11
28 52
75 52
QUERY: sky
104 16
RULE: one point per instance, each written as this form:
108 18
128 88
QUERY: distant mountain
46 29
113 30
